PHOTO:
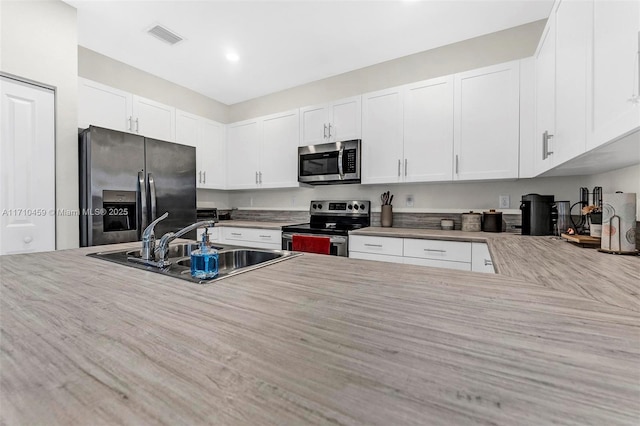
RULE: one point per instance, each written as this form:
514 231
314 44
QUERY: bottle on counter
204 261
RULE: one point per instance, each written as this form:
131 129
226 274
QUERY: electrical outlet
293 201
409 200
504 202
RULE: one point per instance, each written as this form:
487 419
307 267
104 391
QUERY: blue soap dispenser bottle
204 261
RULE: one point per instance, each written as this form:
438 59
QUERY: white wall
433 197
625 180
100 68
502 46
39 42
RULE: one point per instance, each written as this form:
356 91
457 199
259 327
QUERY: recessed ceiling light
232 57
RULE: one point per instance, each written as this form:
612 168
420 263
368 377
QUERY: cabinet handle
399 165
329 130
237 234
373 245
260 176
406 163
324 134
545 145
256 178
457 164
137 126
129 126
435 250
199 177
265 236
204 177
488 262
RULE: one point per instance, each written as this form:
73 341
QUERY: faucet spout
163 245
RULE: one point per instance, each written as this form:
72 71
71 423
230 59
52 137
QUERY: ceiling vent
165 35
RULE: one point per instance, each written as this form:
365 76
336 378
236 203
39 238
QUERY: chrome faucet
149 248
163 245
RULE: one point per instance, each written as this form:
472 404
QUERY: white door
487 122
27 168
243 143
279 150
428 130
545 80
382 136
103 106
153 119
616 103
314 123
346 119
573 40
187 128
210 156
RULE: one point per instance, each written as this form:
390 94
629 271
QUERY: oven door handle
340 165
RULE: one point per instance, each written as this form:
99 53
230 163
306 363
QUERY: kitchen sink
232 260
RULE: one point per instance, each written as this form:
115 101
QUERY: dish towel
311 244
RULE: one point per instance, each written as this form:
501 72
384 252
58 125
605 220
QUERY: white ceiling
283 44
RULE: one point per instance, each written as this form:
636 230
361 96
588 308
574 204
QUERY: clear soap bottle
204 261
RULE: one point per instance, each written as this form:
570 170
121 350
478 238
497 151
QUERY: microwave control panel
350 161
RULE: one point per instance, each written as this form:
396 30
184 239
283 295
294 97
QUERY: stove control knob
314 206
349 206
362 206
355 206
320 206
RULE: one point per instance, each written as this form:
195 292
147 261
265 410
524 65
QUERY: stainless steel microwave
330 163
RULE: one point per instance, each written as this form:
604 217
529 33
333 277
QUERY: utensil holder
386 216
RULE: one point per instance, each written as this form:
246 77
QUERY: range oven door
337 162
339 243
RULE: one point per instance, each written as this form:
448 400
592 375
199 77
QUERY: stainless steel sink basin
232 260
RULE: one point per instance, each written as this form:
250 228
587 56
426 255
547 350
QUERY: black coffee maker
537 214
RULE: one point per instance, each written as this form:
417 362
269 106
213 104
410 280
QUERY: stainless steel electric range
332 219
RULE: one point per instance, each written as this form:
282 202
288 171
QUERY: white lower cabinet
252 237
481 258
459 255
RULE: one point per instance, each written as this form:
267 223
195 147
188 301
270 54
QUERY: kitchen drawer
453 251
271 237
460 266
377 257
375 245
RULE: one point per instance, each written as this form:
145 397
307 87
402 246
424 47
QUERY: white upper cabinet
279 150
428 131
573 39
208 137
528 150
545 87
486 122
615 107
243 154
111 108
382 136
153 119
211 160
263 153
336 121
104 106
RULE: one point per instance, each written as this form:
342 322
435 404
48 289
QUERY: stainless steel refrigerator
127 181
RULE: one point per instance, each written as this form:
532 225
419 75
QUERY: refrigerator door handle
152 196
142 191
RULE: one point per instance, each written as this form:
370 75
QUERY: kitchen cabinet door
428 130
345 119
211 155
187 125
481 258
279 150
104 106
573 22
313 124
382 136
27 168
486 122
153 119
615 108
545 78
527 118
243 148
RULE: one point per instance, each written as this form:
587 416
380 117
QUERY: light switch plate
409 200
504 202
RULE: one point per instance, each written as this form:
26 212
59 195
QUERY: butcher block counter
321 340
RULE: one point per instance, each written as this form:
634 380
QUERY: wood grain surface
316 340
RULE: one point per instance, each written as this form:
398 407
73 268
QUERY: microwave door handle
152 193
142 192
340 165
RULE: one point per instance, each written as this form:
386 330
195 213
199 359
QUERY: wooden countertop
315 340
